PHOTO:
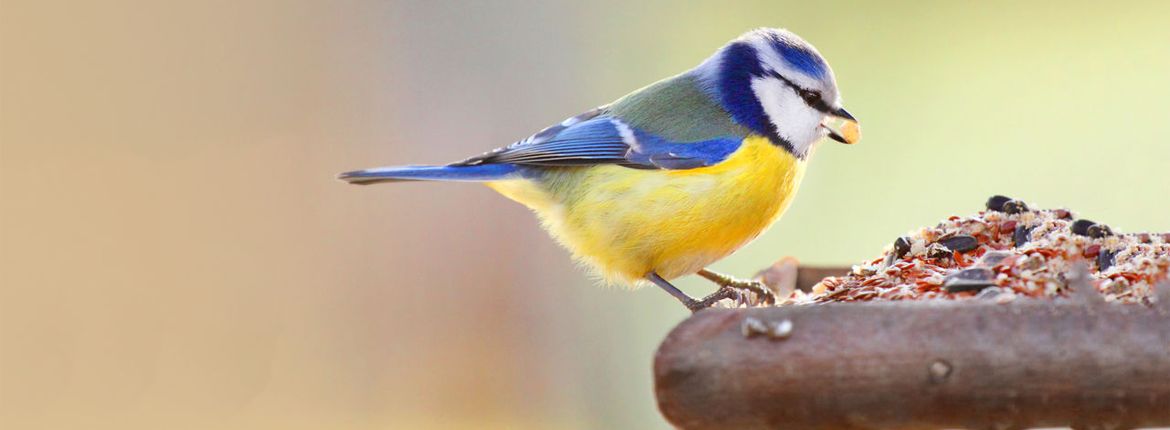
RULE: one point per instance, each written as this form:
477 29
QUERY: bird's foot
744 291
711 300
751 292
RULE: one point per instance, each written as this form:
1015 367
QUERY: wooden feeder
975 364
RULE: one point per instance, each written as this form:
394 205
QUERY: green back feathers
677 109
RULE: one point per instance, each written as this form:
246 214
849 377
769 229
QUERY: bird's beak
846 130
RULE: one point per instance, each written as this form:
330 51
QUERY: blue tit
675 176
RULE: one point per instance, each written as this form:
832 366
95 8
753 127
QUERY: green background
175 253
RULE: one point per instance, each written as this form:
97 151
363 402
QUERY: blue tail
482 172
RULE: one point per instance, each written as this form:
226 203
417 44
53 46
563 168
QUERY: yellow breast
628 222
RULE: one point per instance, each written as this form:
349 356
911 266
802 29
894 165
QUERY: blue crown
797 53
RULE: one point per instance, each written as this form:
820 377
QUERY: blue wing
595 137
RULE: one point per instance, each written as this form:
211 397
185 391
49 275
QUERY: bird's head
777 85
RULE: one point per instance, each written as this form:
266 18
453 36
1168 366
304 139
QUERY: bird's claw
750 293
711 300
741 293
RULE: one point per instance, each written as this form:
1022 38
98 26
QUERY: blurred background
175 253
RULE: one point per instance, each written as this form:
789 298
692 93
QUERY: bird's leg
762 293
688 301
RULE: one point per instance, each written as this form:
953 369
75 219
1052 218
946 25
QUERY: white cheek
794 120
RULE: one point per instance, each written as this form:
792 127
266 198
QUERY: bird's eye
810 97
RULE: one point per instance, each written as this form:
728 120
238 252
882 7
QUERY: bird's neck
677 109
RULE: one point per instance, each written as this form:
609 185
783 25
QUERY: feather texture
673 176
628 222
599 137
491 172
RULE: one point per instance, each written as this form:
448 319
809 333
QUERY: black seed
973 279
1099 231
901 247
961 243
1021 235
992 258
1015 207
1105 259
1081 226
938 251
996 202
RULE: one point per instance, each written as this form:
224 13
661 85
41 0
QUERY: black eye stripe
811 97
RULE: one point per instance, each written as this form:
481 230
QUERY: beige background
174 252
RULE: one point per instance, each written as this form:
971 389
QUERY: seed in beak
847 131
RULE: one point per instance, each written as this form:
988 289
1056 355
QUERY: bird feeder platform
976 364
1008 319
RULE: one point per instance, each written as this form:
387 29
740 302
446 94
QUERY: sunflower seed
960 243
996 202
992 258
1021 235
901 247
1105 259
1081 227
973 279
1099 230
1015 207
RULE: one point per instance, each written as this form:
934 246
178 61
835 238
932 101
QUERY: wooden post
1075 362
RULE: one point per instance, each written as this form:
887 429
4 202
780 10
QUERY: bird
667 180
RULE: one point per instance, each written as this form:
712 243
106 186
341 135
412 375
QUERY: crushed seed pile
1002 253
